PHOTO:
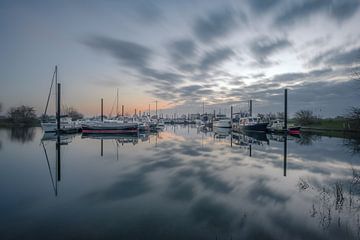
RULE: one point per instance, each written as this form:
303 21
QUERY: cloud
263 47
337 57
129 53
148 11
215 57
136 57
260 6
297 76
299 10
183 48
216 25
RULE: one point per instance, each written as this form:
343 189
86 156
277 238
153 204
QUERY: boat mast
48 98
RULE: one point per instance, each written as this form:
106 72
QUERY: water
180 183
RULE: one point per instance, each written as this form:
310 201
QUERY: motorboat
221 121
278 126
250 124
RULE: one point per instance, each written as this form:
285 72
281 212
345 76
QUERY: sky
181 54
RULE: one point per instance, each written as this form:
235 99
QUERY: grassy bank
331 125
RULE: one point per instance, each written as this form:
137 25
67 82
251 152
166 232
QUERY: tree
73 113
305 117
22 115
353 117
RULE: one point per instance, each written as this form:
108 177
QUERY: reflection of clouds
263 194
216 215
129 185
224 192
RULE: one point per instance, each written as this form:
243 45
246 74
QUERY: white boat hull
222 124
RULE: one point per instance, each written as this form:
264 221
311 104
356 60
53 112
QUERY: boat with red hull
110 128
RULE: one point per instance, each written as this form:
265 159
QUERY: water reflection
184 183
22 134
336 205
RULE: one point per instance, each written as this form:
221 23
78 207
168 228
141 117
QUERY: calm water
180 183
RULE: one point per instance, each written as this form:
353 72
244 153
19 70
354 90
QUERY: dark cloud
183 48
344 9
215 57
148 11
300 10
131 54
261 6
289 77
337 57
263 47
136 57
216 25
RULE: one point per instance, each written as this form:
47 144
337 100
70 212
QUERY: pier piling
102 109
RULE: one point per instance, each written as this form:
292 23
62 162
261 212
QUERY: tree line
26 115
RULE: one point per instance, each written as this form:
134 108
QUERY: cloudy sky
182 53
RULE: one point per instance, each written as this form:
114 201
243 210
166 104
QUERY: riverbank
335 125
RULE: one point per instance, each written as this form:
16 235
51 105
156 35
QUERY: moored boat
110 127
250 124
221 121
278 126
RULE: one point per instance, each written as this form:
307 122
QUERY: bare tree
73 113
305 117
22 115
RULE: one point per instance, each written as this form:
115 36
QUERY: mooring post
250 108
231 115
102 110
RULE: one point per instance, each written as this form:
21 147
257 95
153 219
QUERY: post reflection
57 178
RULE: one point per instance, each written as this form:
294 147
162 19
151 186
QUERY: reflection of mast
102 148
54 185
58 158
285 153
285 132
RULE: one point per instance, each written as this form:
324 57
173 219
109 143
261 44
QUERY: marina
180 120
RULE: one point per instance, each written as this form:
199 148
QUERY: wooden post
231 115
122 110
102 110
156 110
250 108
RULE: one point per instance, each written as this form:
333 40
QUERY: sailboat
49 124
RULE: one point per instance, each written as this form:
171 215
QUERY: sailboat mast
48 98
